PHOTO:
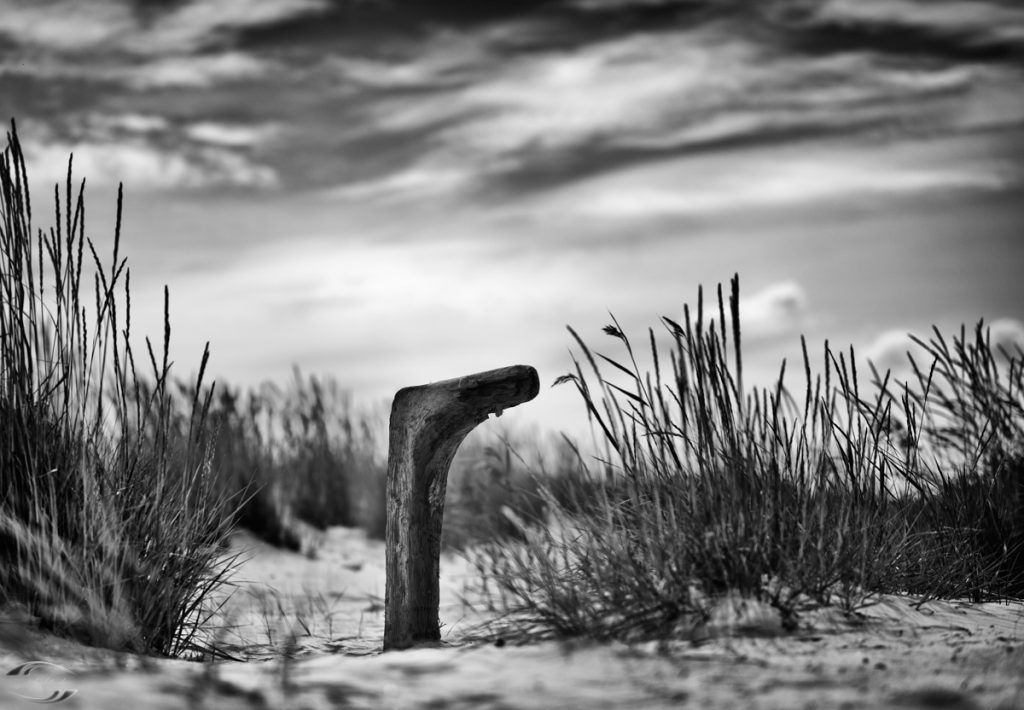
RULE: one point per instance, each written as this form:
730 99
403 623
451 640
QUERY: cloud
414 183
450 60
998 21
513 108
722 189
610 89
392 312
1006 335
615 95
230 135
196 24
776 310
167 72
889 350
151 152
65 26
181 71
136 123
75 26
145 167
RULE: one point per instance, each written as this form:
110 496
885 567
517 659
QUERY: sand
892 655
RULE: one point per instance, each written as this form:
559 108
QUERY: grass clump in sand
111 521
303 452
497 470
708 492
963 437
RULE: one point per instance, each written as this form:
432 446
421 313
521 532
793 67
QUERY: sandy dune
945 655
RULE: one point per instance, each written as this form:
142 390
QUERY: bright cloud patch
72 25
67 25
175 71
777 310
145 167
615 88
194 24
196 72
230 135
136 123
950 17
720 188
1007 334
417 182
889 350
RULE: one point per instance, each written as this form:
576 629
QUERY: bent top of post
482 393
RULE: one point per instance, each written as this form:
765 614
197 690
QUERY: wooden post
427 425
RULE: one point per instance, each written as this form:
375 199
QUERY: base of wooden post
427 425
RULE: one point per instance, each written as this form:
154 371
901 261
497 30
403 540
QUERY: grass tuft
706 490
111 521
299 457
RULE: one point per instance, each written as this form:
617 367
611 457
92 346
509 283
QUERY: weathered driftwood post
427 425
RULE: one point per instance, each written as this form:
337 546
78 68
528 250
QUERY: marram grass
708 490
111 521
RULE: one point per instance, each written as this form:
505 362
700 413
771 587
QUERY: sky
392 197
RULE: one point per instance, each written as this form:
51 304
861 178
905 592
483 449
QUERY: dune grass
707 490
121 483
111 520
964 441
495 471
303 452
